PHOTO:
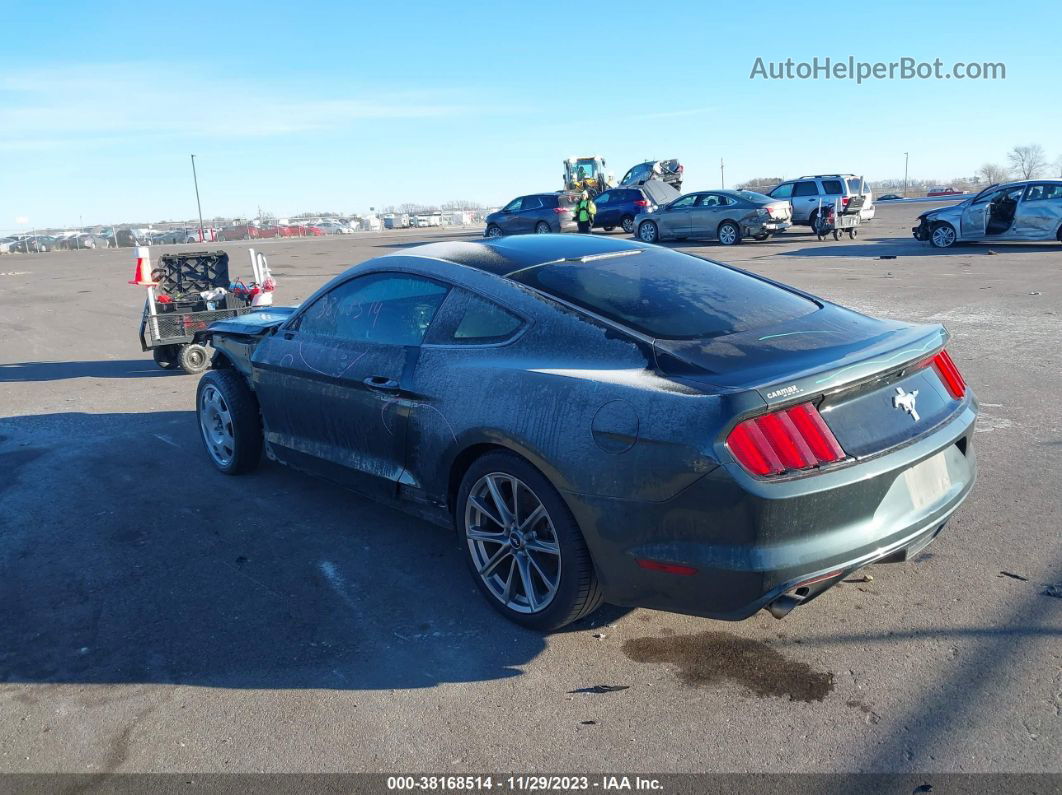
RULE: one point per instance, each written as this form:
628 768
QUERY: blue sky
339 105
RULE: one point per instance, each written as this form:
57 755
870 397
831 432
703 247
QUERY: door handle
381 382
289 335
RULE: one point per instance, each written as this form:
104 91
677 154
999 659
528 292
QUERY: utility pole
195 180
722 179
905 157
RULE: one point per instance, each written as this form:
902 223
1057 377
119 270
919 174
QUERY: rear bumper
751 541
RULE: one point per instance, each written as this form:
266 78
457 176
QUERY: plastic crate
190 272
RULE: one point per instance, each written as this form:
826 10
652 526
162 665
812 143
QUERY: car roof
505 256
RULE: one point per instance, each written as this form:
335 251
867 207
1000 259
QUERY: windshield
585 168
668 295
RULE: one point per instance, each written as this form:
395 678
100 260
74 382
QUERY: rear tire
647 232
728 233
546 554
229 421
813 219
165 357
193 358
627 224
542 228
608 228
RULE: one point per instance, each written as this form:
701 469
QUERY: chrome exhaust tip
783 605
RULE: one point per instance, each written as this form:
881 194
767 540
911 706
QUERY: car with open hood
1026 210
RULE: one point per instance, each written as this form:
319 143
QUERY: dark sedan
606 421
540 213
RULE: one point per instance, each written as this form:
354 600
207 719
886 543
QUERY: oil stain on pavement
709 658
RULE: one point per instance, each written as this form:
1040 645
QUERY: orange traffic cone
142 274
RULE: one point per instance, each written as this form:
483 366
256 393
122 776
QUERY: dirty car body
1028 210
723 443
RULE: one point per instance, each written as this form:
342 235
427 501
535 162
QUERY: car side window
531 203
513 206
683 201
989 197
384 308
832 187
709 200
485 322
783 191
604 198
805 189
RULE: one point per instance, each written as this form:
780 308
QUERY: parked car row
654 210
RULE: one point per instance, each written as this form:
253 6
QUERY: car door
333 383
529 215
974 218
1039 214
675 219
607 214
509 219
805 199
705 215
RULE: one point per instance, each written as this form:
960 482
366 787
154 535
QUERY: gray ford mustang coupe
606 420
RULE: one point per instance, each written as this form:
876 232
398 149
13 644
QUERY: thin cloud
97 104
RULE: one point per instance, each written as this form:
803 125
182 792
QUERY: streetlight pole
905 157
722 178
195 180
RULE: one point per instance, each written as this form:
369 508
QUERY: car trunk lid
869 378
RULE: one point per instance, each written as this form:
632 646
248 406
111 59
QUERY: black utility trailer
176 313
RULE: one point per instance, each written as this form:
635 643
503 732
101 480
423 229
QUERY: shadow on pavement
908 247
126 558
60 371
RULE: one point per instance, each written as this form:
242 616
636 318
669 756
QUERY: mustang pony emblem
906 401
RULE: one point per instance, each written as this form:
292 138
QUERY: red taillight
791 439
770 212
562 210
844 201
641 203
949 374
667 568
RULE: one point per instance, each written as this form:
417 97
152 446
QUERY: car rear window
669 295
855 185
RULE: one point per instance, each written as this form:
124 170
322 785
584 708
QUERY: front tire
542 228
728 233
229 421
647 232
494 231
943 236
523 546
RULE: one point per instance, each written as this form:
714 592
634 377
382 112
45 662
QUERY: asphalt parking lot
159 616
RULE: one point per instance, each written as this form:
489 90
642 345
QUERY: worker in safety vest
585 212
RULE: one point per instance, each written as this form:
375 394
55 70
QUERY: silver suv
808 193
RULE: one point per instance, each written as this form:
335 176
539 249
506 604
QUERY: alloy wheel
215 422
513 542
728 234
943 236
